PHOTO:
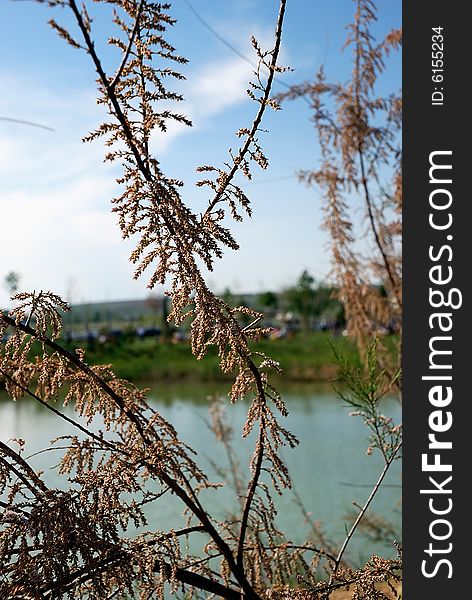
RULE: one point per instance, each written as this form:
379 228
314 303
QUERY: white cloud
219 85
211 89
54 205
55 219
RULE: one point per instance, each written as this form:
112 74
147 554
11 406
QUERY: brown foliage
72 543
358 132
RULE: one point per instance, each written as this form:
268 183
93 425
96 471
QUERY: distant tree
268 299
228 297
154 304
160 309
301 299
328 305
12 282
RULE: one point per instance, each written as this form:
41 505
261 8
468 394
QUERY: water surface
330 468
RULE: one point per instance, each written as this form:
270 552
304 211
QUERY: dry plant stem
306 547
365 185
222 545
310 549
250 496
381 446
110 89
200 582
357 134
142 166
230 46
103 442
130 45
361 514
19 475
20 461
192 503
368 202
258 119
182 575
257 469
87 432
74 359
237 483
233 463
83 367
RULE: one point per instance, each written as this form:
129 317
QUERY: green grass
304 357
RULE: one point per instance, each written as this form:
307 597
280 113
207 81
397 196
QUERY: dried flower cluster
73 543
358 132
377 580
57 543
359 136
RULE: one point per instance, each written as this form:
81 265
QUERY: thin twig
257 121
20 461
10 468
74 359
230 46
361 514
22 122
244 329
89 433
130 45
250 495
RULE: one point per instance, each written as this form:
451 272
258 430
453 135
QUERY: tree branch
20 461
74 359
117 556
110 91
89 433
130 45
257 121
192 504
250 495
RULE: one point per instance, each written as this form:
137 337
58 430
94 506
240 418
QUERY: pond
330 469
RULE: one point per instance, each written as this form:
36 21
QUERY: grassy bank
303 358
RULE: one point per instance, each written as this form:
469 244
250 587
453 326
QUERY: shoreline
303 358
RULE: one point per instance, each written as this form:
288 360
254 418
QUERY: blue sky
56 227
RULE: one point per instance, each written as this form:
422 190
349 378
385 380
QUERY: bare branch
129 47
257 121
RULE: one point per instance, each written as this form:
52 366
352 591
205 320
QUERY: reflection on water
330 468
